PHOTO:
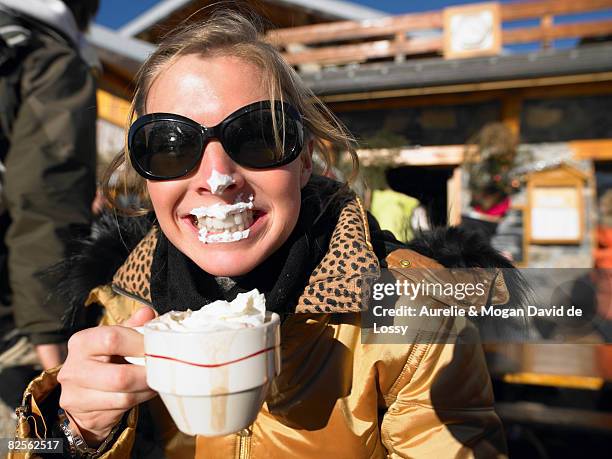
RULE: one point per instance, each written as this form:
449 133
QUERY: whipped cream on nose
224 222
218 182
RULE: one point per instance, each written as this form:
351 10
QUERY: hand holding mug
98 388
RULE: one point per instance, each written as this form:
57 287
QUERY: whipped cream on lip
224 222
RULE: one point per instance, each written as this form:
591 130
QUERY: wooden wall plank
363 51
597 150
529 10
511 113
555 32
345 30
112 108
447 155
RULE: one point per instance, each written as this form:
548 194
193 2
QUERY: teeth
231 223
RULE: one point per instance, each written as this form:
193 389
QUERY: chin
225 264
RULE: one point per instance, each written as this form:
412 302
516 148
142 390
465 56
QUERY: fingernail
140 361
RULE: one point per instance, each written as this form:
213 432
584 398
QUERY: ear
306 163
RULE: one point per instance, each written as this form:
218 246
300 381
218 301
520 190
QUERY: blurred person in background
395 211
48 152
489 159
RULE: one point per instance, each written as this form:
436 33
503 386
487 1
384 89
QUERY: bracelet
77 447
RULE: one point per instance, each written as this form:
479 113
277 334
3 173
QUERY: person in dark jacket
48 152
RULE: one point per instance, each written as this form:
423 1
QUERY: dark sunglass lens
257 140
167 148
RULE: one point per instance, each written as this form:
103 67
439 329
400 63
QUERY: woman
305 242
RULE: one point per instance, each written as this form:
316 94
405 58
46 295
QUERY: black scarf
177 283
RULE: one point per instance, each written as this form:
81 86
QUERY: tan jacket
336 397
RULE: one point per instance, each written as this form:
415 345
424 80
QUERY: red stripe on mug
210 365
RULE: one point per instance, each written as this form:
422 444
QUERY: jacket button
405 263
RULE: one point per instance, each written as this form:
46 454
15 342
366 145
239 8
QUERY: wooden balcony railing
413 34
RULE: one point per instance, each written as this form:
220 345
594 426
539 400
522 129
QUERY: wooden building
415 88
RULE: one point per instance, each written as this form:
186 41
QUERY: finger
81 400
140 317
105 377
105 341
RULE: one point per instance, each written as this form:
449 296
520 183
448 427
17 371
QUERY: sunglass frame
216 132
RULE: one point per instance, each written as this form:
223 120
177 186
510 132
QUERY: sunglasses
165 146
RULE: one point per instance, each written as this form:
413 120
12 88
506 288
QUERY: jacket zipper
131 296
244 448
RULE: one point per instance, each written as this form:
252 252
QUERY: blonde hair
229 33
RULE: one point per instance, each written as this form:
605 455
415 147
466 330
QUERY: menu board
555 215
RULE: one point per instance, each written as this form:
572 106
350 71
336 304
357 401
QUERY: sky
115 13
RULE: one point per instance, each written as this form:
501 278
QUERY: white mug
212 383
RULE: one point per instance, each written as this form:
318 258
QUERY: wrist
93 438
77 445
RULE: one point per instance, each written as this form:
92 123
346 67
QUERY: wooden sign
556 206
472 30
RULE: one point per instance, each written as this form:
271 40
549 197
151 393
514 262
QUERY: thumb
140 317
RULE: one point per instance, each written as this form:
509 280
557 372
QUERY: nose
217 173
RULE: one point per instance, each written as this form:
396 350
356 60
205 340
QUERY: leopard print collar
335 285
134 276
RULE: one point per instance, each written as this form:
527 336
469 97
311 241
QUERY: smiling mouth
224 222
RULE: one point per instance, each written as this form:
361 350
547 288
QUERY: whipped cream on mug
247 310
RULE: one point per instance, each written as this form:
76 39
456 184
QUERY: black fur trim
457 247
92 262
